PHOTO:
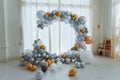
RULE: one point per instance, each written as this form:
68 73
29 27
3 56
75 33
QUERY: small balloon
77 65
39 75
44 68
53 67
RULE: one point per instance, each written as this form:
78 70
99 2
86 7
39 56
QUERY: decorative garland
40 57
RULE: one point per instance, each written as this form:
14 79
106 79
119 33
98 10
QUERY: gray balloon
82 19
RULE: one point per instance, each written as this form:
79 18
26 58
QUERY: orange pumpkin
58 13
64 56
33 68
28 66
72 72
48 13
83 30
76 46
88 40
43 47
49 62
74 16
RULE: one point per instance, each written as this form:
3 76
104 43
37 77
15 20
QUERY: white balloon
87 56
59 64
39 75
53 67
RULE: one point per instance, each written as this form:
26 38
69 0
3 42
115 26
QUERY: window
59 37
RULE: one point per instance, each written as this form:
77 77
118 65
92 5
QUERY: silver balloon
82 19
44 55
40 14
31 59
38 55
62 60
82 64
67 61
77 65
36 62
83 45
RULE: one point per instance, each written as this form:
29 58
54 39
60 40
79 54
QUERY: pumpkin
74 16
28 66
88 40
33 68
43 47
48 13
63 56
76 46
49 62
83 30
58 13
72 72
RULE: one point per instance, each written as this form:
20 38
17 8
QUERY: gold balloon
28 66
76 46
74 16
48 13
33 68
52 60
58 13
88 40
63 56
49 62
72 72
83 30
43 47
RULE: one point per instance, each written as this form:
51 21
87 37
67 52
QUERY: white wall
102 14
10 28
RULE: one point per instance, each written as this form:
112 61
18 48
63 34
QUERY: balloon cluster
39 56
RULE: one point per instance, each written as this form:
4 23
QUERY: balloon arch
40 57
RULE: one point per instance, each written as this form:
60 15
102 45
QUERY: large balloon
82 19
39 75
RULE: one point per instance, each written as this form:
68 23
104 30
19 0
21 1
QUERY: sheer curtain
116 29
60 36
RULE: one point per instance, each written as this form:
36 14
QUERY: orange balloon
74 16
88 40
48 13
33 68
76 46
72 72
28 66
58 13
43 47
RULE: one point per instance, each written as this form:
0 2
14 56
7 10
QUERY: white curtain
60 36
116 29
